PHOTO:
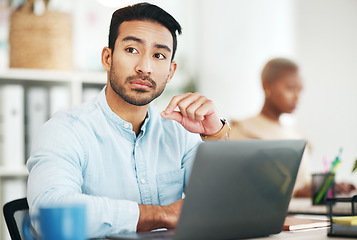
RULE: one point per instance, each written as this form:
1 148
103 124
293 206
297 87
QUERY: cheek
121 62
289 95
161 72
287 98
281 97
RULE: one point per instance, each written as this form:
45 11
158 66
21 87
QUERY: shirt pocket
170 186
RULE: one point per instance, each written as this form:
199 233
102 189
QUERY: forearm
155 217
104 216
53 185
151 217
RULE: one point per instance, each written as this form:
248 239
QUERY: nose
144 65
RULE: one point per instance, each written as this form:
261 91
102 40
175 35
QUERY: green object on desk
355 166
328 182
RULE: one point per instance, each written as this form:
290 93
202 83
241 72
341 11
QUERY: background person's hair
277 68
143 11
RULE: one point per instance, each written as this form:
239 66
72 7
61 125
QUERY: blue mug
58 223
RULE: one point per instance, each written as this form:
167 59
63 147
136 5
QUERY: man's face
141 62
285 92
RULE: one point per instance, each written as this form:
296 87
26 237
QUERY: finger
191 110
173 116
173 103
204 110
185 102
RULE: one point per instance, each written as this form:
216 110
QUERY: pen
328 183
325 164
329 180
325 161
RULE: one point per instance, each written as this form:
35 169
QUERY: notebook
293 223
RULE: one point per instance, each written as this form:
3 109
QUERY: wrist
162 218
169 215
151 217
221 134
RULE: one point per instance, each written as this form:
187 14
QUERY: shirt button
126 125
137 144
143 181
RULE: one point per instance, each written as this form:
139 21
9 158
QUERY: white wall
326 41
226 43
236 38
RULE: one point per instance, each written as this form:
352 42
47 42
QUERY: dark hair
278 67
143 11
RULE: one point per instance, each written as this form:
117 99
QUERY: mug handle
26 228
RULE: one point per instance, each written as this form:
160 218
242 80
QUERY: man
117 155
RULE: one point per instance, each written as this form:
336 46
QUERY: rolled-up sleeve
56 167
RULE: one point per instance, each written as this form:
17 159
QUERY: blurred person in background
282 86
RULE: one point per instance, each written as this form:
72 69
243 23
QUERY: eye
159 56
131 50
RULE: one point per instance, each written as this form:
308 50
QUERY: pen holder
322 188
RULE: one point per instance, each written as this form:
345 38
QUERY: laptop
237 189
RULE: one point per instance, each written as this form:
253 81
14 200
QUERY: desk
304 206
319 234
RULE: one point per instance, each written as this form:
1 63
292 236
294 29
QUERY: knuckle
199 112
175 97
199 117
209 102
190 111
203 98
182 104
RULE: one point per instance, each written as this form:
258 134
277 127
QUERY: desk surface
304 206
319 234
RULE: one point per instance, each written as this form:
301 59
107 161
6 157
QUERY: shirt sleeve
192 143
56 165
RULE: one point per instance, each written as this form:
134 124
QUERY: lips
141 83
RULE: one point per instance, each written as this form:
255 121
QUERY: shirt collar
102 100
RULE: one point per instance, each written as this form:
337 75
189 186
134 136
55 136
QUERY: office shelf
6 172
35 75
76 82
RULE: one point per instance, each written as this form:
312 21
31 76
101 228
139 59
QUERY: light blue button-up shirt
90 155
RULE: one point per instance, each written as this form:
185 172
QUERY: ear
172 70
106 58
266 88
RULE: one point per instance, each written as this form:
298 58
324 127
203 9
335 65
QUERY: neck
271 112
126 111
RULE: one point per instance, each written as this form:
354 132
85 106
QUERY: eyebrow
131 38
161 46
135 39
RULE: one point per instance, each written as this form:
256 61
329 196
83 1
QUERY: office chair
14 213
